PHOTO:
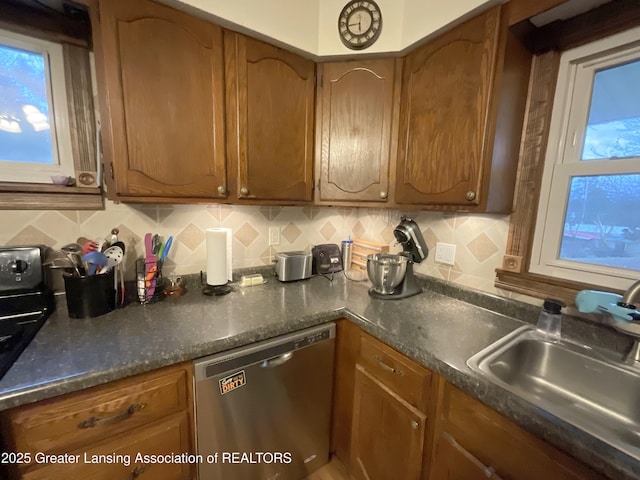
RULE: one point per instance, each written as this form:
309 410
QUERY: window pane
25 134
613 129
602 222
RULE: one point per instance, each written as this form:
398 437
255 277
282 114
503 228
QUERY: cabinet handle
139 470
383 195
387 367
222 190
414 424
489 471
471 195
244 191
95 421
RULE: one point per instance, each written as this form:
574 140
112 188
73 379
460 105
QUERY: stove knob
19 266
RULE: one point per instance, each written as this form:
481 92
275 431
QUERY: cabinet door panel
453 462
387 436
357 112
446 106
170 436
499 443
164 126
270 95
67 423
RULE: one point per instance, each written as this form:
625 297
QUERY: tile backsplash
480 239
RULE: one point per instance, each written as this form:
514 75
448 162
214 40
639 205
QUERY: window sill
29 196
541 286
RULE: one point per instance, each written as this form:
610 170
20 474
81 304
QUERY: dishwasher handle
276 361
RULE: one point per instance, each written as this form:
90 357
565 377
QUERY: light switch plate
274 235
445 253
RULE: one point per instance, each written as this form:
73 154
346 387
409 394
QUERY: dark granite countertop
440 328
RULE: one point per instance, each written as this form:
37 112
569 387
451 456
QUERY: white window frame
58 115
567 130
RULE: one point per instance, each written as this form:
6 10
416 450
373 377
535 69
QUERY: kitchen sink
577 384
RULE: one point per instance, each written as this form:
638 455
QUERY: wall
480 239
312 25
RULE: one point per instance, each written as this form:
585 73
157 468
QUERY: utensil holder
90 296
149 281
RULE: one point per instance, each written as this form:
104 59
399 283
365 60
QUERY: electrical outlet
274 235
445 253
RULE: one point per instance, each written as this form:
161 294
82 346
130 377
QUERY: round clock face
359 24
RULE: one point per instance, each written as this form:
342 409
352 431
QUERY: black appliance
25 300
326 259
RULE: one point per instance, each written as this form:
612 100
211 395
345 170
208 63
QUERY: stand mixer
392 275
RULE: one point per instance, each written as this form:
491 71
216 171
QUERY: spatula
150 262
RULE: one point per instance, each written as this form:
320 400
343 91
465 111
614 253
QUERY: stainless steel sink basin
575 383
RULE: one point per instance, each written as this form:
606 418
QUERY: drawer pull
387 367
139 470
95 421
489 471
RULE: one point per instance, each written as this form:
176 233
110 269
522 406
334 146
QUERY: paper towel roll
218 256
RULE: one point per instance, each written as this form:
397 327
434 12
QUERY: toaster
292 266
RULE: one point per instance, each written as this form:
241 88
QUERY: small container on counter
347 246
149 281
90 296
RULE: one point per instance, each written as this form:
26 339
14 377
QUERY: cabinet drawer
169 436
503 446
404 377
78 419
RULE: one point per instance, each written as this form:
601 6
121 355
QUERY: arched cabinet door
162 74
357 101
461 115
270 120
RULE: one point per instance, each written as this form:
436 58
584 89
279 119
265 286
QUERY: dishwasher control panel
311 339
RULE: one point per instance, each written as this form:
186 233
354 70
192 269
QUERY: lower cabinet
409 423
128 451
387 434
453 461
389 430
475 442
97 433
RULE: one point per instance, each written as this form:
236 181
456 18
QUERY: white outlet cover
274 235
445 253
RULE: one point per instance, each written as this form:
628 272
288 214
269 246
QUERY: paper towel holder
214 290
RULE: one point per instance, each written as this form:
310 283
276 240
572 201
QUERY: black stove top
25 301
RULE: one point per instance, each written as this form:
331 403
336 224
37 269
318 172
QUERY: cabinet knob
471 195
383 195
244 191
414 424
222 190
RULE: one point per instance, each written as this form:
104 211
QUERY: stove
25 300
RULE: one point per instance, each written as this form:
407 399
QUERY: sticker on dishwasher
231 382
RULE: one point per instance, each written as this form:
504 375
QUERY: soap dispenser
550 320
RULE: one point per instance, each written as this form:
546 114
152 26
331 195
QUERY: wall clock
359 24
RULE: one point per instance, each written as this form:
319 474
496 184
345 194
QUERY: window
588 223
35 142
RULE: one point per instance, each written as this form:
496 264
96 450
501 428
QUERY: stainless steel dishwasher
263 411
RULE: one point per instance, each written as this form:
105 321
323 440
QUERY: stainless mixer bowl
386 271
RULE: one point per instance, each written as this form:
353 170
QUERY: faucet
631 295
620 310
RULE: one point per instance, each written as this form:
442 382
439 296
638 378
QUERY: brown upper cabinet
357 113
461 116
192 113
160 76
270 113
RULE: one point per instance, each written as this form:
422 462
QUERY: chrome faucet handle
631 295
